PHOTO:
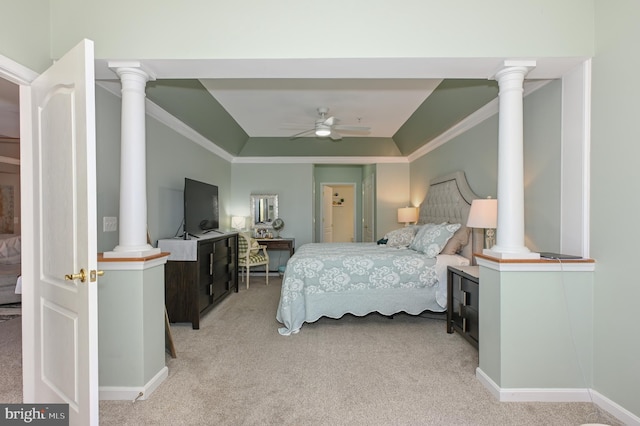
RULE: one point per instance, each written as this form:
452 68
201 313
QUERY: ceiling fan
328 127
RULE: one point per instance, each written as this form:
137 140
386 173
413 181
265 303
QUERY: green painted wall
451 102
255 29
392 192
191 103
542 168
293 183
538 328
170 158
25 33
476 153
614 181
131 337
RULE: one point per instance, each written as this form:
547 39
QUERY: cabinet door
221 270
457 313
471 294
180 290
233 262
205 274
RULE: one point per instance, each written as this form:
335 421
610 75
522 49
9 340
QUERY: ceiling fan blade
293 126
352 128
303 133
329 121
335 136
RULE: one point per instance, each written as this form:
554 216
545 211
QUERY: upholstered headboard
449 200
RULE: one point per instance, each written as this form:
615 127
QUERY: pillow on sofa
10 249
458 241
401 237
432 238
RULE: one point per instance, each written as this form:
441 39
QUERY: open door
368 212
327 214
60 322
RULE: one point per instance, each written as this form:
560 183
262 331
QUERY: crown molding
319 160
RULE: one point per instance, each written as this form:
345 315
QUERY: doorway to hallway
338 212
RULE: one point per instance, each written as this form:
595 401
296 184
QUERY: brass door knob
82 276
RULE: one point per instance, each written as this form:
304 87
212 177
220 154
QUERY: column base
132 252
510 255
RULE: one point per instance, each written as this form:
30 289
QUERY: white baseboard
620 413
133 393
557 395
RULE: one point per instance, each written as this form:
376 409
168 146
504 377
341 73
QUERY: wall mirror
264 208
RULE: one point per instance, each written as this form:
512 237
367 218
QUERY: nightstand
462 301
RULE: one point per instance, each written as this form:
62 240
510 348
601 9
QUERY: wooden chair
250 253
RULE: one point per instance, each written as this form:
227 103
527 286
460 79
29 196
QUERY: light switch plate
109 224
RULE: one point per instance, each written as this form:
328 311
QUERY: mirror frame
255 198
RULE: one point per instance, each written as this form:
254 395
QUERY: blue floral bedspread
369 278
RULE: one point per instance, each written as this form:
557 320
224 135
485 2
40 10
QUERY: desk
278 244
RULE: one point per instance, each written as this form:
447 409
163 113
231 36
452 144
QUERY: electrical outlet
109 224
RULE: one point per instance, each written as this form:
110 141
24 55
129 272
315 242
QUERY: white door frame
355 210
22 76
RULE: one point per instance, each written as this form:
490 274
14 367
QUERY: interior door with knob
368 212
60 332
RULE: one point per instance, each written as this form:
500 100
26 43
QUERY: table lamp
484 214
238 222
407 215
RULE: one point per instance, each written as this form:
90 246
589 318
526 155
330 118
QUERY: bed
10 259
407 274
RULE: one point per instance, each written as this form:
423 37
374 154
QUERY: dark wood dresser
202 277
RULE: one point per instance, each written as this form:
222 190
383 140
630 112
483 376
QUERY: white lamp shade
407 214
483 213
238 222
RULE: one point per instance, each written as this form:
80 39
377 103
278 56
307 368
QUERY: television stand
187 236
199 274
213 230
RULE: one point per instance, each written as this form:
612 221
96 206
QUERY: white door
368 213
344 213
327 214
60 330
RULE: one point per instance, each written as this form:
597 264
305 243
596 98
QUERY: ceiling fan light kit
323 130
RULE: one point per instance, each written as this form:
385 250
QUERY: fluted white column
133 171
510 229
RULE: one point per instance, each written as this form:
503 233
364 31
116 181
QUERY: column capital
511 67
131 67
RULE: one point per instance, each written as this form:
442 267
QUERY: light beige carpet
237 370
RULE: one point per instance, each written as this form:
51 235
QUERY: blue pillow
432 238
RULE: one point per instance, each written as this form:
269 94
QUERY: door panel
60 354
368 212
327 214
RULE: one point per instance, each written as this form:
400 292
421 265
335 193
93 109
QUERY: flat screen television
201 212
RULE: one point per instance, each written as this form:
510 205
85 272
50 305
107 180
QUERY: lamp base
489 237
